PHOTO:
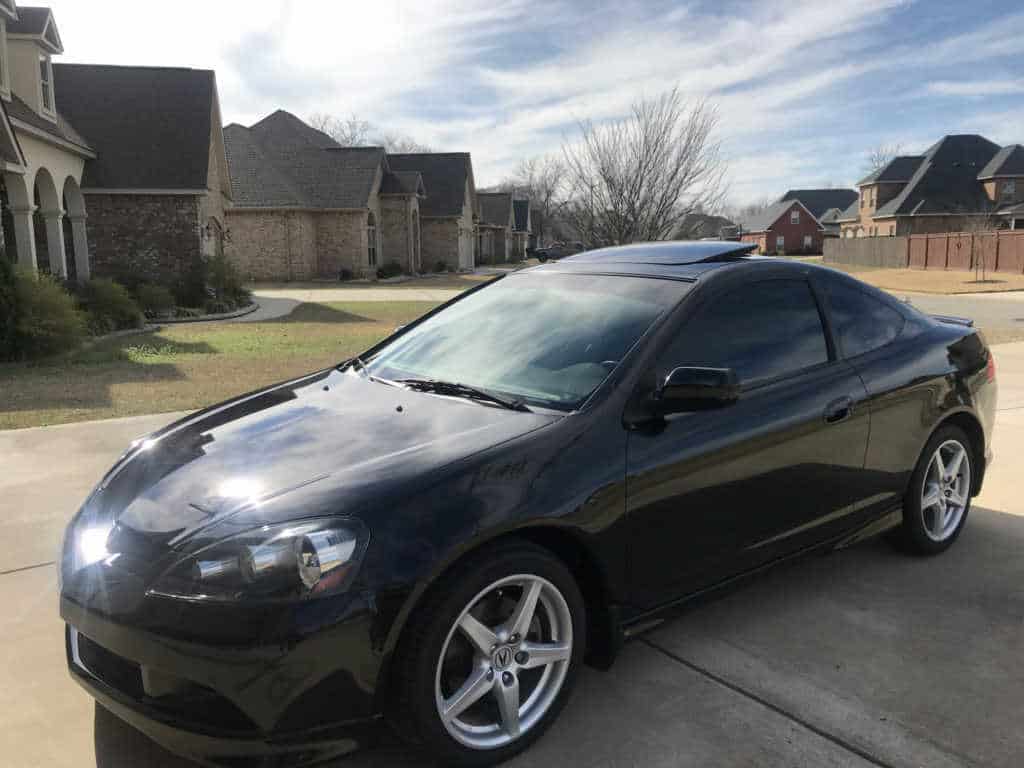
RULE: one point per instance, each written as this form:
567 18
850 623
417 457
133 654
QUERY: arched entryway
49 225
76 244
19 235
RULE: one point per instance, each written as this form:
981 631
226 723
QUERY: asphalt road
861 658
1001 311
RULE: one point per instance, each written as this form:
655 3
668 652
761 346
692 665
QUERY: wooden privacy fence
1001 250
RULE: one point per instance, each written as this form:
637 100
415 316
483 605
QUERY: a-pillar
55 242
81 246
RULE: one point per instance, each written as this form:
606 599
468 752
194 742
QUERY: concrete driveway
861 658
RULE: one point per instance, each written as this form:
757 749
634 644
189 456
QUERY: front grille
188 702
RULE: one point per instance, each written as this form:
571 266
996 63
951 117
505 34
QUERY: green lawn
188 366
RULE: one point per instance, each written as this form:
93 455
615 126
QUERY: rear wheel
939 497
491 656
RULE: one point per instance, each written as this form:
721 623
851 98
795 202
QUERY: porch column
25 237
55 242
81 246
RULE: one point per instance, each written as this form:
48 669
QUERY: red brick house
784 227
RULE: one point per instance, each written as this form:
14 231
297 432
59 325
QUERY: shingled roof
762 222
19 110
37 23
282 162
1008 161
521 211
817 201
149 126
946 180
403 183
495 208
898 170
445 176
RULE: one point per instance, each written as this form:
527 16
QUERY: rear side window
861 322
761 331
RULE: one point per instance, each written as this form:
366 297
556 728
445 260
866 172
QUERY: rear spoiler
954 320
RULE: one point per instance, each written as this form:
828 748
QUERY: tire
436 661
929 529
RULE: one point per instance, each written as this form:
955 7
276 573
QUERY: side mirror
694 389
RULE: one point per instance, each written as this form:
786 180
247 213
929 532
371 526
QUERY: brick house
826 205
959 182
305 207
521 230
42 156
156 190
448 212
784 227
494 230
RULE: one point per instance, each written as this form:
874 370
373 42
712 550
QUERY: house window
1009 188
46 83
371 240
780 243
794 216
808 242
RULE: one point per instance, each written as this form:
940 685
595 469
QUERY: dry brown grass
934 280
188 366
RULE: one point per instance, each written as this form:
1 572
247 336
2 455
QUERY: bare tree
349 131
541 179
399 144
881 156
635 179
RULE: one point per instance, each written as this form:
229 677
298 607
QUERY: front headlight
305 559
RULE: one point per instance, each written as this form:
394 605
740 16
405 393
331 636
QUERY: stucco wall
154 238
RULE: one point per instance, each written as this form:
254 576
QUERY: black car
558 251
438 532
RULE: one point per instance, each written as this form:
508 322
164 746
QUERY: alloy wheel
503 661
946 490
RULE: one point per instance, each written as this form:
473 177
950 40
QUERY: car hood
332 443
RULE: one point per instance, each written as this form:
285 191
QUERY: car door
713 493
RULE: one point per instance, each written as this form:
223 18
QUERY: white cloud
976 89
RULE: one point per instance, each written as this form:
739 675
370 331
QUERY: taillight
990 369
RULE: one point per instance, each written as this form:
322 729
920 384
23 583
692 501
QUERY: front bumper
253 705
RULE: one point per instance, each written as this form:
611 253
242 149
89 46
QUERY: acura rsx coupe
437 533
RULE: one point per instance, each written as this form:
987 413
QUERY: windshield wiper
354 363
453 389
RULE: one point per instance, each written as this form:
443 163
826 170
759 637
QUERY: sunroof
667 253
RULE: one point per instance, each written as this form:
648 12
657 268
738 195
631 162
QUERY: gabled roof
37 23
1008 161
817 201
282 162
10 150
851 212
8 10
445 177
832 215
521 212
899 170
946 179
149 126
403 183
495 208
764 220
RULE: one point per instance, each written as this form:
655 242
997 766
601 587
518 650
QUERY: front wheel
490 658
939 497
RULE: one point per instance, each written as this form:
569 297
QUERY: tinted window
860 321
761 331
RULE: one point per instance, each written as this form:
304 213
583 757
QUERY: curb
211 318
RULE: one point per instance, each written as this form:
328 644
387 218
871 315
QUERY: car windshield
545 339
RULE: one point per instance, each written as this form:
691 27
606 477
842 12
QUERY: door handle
839 410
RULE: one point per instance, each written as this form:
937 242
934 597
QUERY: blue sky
804 88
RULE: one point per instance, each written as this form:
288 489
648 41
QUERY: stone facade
152 238
400 236
272 245
440 242
341 244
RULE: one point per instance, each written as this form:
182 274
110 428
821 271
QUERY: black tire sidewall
423 639
913 533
